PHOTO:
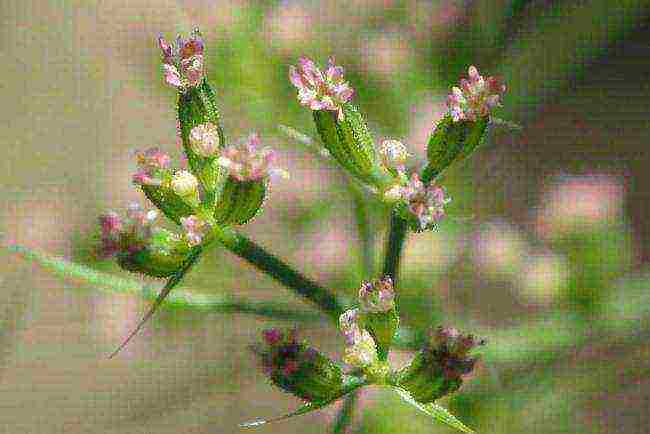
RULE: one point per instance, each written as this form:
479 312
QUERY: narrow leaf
67 269
171 283
304 409
435 411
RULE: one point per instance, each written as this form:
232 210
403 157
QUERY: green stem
394 246
344 416
364 231
278 270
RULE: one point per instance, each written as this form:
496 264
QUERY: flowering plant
225 185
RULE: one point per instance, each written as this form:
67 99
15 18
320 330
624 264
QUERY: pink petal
473 73
295 77
172 77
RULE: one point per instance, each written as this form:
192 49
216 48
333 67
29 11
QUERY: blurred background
544 252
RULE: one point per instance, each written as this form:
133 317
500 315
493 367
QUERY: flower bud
341 127
186 186
248 171
155 179
423 205
204 139
139 246
297 368
438 369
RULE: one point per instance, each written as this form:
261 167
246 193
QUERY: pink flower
152 163
246 163
377 295
320 90
426 203
475 97
126 235
183 64
195 229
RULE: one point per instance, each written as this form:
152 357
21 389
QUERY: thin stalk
279 270
364 231
394 246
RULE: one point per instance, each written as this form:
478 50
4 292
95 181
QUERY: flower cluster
297 368
361 349
394 155
425 202
475 98
153 165
320 90
245 162
195 229
183 61
204 139
377 295
438 369
126 235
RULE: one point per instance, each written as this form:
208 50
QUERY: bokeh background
544 253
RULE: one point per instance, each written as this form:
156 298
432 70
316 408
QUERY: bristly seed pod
248 172
298 369
139 246
464 128
438 369
341 127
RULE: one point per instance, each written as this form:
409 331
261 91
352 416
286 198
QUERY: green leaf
184 299
66 269
435 411
304 409
350 384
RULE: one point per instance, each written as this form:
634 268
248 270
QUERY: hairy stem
279 270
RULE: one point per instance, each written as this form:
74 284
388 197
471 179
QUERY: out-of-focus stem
279 270
344 416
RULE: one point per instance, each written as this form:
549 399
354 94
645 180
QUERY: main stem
394 246
280 271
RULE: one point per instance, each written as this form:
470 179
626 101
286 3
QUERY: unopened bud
186 186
